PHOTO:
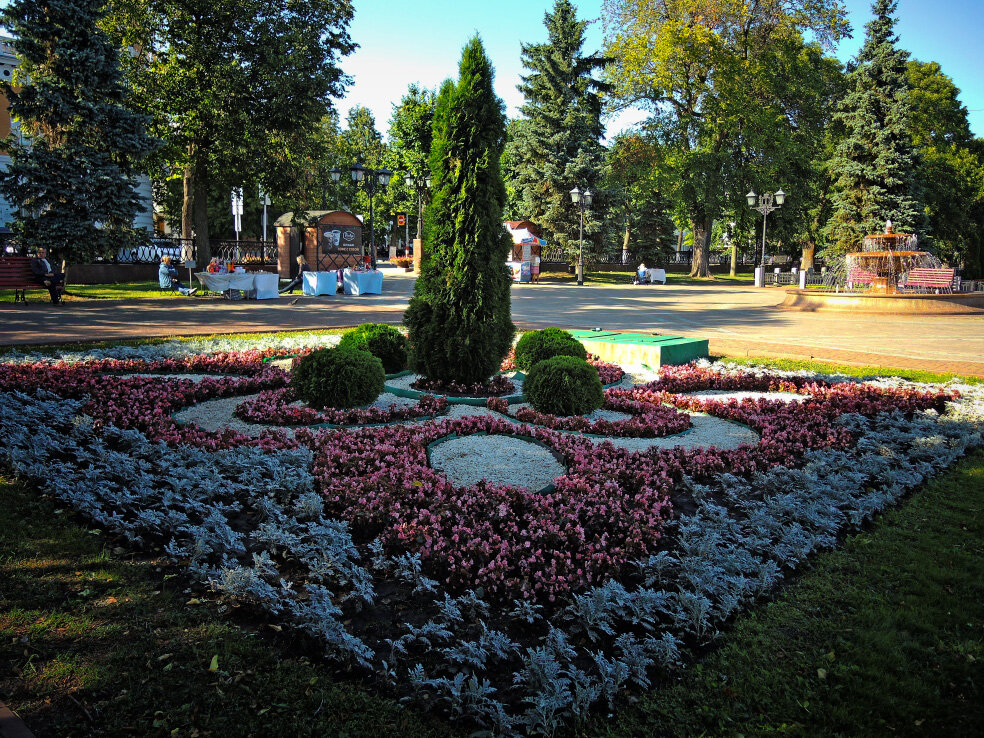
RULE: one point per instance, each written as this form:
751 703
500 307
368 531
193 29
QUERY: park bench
932 279
859 276
15 274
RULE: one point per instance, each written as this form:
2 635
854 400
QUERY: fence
254 253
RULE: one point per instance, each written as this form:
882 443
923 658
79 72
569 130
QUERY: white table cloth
229 281
657 275
320 283
266 285
362 283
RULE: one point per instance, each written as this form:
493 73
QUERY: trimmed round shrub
384 342
536 346
338 378
564 385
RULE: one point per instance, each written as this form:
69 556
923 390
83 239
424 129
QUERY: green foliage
950 168
71 177
411 134
459 316
384 342
639 209
535 346
564 385
338 378
731 93
557 144
874 166
237 90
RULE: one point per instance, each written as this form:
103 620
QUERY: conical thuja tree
874 165
459 316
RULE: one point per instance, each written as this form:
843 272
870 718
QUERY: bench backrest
15 271
926 277
860 275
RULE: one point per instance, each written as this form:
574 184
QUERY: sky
402 43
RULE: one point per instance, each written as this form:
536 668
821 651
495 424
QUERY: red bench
860 276
15 274
938 279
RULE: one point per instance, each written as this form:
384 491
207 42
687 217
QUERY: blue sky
403 43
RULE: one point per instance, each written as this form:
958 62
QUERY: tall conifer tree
459 316
873 168
72 177
558 144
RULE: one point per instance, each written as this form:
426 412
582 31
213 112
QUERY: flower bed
495 387
274 407
514 610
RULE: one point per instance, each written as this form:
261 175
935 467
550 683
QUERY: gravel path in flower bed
725 395
407 380
504 460
192 377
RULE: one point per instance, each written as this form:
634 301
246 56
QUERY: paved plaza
737 320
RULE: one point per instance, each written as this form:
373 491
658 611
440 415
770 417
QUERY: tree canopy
557 145
720 80
231 84
72 177
874 167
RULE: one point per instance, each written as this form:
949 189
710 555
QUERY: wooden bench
938 279
15 274
860 276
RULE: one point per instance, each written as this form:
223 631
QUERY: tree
73 177
949 167
232 84
706 70
635 184
874 166
459 316
411 133
558 146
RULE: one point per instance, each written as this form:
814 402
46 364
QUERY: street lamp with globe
583 201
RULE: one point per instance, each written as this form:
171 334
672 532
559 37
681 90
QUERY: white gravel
193 377
499 459
725 395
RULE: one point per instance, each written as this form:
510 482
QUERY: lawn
879 630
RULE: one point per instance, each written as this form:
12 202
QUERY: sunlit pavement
737 320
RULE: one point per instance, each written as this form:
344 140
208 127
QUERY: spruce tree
72 177
559 146
873 168
459 316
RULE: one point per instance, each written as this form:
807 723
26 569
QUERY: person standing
44 275
167 275
535 268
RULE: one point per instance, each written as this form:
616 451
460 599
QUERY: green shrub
564 385
536 346
384 342
338 377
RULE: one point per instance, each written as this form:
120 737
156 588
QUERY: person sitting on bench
168 277
642 275
44 275
298 281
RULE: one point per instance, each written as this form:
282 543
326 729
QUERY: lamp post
370 179
420 184
765 205
583 201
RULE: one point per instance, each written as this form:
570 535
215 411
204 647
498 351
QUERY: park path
737 320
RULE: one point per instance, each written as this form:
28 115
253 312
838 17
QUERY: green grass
914 375
884 636
97 642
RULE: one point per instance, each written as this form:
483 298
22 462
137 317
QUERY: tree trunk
806 258
702 232
187 203
200 218
734 259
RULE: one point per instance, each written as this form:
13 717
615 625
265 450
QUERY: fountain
888 275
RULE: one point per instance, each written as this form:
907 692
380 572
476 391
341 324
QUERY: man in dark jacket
45 275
